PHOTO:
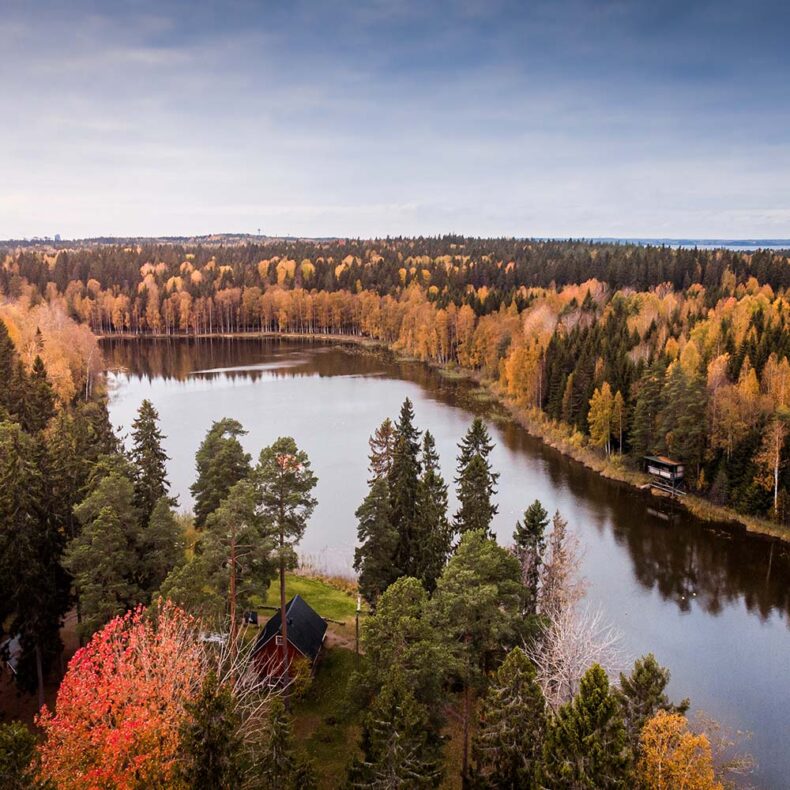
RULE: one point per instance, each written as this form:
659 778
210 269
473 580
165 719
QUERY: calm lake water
712 604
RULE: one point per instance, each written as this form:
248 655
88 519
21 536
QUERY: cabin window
278 640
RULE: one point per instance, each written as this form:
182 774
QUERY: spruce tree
11 394
374 557
162 545
403 482
150 460
279 765
530 542
221 462
211 745
382 447
475 482
642 695
433 536
645 430
18 758
397 750
508 745
586 744
39 405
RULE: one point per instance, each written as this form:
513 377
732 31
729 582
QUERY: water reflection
686 561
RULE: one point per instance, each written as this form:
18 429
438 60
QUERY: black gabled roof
306 628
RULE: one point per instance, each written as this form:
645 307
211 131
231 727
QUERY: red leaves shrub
120 706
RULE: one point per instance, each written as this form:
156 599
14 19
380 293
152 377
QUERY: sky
321 118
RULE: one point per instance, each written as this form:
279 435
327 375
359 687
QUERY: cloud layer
556 117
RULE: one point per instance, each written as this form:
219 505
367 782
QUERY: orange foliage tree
672 758
120 706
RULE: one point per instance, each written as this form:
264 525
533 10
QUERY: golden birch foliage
673 758
601 416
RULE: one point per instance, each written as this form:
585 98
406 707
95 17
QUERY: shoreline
557 436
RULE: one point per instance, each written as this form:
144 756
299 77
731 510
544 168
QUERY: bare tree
561 585
571 641
731 762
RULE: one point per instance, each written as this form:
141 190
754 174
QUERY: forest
632 350
479 666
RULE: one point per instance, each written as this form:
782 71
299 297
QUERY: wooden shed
667 473
305 633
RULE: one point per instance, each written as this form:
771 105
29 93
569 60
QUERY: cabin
305 632
667 474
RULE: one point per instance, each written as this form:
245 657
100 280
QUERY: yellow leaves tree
673 758
601 417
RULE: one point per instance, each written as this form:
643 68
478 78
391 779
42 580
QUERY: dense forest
637 349
479 664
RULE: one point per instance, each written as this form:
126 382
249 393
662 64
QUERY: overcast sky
549 118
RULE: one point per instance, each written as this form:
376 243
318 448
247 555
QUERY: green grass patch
323 722
328 601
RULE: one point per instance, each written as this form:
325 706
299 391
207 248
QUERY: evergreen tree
105 557
432 532
374 557
403 483
382 448
642 695
18 758
34 589
476 608
401 636
586 744
285 483
212 747
12 391
221 462
397 750
279 766
476 483
162 545
530 543
645 430
149 459
39 401
508 745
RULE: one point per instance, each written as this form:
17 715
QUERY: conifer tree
645 429
221 462
18 758
642 695
105 557
508 745
374 557
530 543
397 750
279 766
149 459
586 744
162 545
39 401
12 389
212 748
403 483
433 536
382 448
475 482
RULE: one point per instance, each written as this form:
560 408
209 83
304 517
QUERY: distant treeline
639 349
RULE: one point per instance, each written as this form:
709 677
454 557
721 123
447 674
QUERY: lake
711 603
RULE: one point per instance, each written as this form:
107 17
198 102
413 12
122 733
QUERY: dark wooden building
667 474
306 632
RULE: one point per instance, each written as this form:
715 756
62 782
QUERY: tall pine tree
530 542
374 557
475 481
149 459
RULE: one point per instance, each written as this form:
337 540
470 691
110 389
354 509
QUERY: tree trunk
40 676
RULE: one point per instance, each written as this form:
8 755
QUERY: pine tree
211 745
586 744
162 545
374 557
475 482
11 391
645 431
221 462
279 766
403 483
105 557
150 460
508 745
397 750
530 543
382 448
642 695
433 536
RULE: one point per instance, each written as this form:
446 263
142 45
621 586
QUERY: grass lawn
327 730
328 601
